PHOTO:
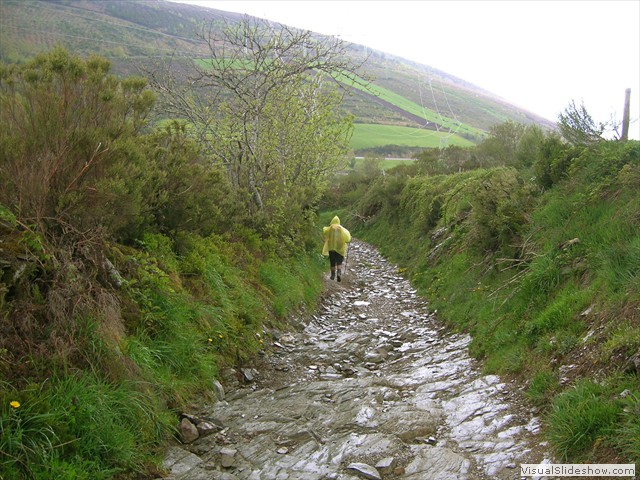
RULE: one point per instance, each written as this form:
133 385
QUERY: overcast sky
538 54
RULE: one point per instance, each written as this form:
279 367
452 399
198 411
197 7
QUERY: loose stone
365 471
227 457
188 431
386 465
218 390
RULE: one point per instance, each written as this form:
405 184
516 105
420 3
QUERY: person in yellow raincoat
336 238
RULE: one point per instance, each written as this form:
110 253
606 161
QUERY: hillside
540 262
441 109
131 270
141 260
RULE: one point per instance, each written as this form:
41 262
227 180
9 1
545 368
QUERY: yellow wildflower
211 339
15 404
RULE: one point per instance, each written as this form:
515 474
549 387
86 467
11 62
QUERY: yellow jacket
336 238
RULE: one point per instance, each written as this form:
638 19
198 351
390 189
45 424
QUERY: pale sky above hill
538 54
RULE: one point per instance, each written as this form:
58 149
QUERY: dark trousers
335 259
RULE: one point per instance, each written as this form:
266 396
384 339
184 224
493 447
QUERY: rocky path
372 387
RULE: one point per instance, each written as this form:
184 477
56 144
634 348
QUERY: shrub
64 130
500 210
189 193
553 162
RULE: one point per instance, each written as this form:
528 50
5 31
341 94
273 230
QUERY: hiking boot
333 275
338 277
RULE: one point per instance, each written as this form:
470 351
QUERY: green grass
623 338
582 418
543 386
79 427
366 135
628 431
533 302
371 135
558 313
383 164
413 108
283 280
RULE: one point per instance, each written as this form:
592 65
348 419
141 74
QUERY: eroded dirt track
371 386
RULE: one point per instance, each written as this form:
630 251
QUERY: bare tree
267 105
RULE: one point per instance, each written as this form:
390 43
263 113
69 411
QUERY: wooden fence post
625 115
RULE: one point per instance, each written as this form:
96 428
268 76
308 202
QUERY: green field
375 135
413 108
369 136
385 164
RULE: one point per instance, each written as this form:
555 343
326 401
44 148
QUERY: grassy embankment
129 274
102 402
546 280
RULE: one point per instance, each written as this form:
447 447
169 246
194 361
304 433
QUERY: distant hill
434 108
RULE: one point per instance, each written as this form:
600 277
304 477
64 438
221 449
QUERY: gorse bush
188 195
65 130
553 161
77 173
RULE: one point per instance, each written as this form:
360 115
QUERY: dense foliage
532 245
130 273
